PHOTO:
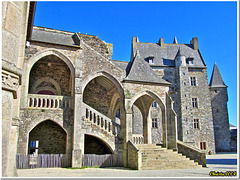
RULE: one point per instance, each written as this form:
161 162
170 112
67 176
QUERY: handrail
138 139
193 153
98 119
41 101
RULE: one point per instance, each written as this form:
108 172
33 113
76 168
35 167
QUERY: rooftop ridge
52 30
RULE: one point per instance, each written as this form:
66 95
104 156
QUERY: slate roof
53 36
121 64
164 56
216 79
140 71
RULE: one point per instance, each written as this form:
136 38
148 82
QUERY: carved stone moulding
10 82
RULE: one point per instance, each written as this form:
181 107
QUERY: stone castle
63 94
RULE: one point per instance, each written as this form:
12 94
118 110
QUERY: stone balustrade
98 119
138 139
49 101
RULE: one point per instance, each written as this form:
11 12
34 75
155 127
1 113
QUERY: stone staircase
157 158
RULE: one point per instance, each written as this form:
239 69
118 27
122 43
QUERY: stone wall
157 136
219 99
97 44
187 113
14 29
56 71
137 120
203 112
134 156
94 145
97 97
192 153
30 118
52 138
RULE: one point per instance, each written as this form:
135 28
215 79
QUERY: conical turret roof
175 40
216 79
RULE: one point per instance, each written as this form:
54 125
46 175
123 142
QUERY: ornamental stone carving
10 81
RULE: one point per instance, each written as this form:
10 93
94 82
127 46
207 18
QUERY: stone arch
36 57
114 105
162 107
47 52
151 94
109 86
107 144
47 79
56 143
106 75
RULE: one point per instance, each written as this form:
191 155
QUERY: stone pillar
147 128
126 126
78 138
171 124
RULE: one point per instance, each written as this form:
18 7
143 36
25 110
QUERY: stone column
78 139
126 126
171 124
149 128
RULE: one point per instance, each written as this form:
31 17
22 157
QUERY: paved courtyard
223 162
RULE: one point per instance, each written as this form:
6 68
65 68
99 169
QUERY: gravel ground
223 162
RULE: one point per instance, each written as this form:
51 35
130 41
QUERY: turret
180 59
219 99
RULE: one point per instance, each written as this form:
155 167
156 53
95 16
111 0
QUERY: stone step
147 152
184 164
146 161
160 157
156 157
169 167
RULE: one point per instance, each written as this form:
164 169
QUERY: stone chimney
160 42
194 43
135 40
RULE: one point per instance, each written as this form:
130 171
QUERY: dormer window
190 60
150 59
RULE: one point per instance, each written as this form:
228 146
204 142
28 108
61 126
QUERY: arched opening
47 138
100 94
148 118
50 76
94 145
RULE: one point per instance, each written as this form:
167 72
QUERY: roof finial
175 40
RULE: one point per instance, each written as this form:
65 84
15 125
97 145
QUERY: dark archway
94 145
100 93
50 76
47 138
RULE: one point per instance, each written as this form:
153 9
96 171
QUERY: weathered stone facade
15 22
74 99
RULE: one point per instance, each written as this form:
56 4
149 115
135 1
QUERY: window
196 124
193 81
33 147
154 123
150 60
32 144
203 145
190 61
194 103
154 104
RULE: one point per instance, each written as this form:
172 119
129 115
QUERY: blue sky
214 23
